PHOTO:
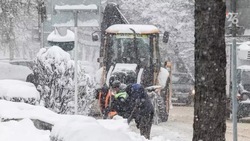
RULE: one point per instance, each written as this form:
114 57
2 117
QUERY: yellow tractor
131 54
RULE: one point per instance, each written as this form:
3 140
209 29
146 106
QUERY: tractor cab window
123 49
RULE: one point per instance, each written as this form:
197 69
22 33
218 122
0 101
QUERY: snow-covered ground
66 127
23 130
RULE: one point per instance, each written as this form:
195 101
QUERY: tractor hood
119 67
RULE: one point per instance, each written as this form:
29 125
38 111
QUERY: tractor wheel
162 113
163 106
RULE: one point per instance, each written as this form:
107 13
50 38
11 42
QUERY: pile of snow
89 130
16 90
9 71
17 110
23 130
66 127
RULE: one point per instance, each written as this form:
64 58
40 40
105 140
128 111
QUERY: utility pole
76 58
234 69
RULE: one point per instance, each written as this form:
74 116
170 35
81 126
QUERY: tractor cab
133 44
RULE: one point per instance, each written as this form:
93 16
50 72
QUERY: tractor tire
162 104
161 113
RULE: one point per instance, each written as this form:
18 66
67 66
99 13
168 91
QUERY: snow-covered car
183 89
19 91
11 71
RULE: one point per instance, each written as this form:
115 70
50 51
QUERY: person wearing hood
142 110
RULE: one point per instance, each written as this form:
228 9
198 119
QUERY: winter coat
118 104
140 105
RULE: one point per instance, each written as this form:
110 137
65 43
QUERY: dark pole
234 69
233 7
135 46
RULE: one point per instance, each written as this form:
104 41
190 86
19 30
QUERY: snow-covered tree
55 71
19 28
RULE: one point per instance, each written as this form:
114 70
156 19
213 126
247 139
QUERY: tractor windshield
124 47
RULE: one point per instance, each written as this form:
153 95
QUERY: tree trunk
210 76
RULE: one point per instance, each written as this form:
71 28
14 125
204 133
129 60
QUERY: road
180 127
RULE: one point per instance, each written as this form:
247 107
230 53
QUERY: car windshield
245 77
123 50
181 79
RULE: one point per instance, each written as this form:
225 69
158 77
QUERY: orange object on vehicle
107 99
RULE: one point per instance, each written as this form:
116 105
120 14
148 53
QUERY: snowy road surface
180 127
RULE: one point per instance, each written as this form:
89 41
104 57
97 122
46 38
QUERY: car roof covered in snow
126 28
244 67
245 46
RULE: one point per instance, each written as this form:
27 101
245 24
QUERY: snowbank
16 90
23 130
9 71
66 127
89 130
17 110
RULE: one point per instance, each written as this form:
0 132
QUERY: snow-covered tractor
131 54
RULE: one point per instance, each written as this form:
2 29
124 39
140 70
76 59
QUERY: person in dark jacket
118 101
142 110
